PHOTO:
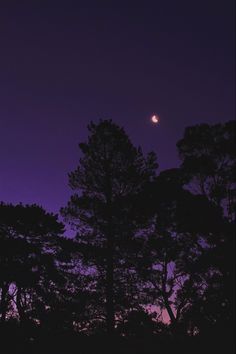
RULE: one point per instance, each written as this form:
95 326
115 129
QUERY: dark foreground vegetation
152 266
70 343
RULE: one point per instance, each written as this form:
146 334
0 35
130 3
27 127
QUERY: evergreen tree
108 212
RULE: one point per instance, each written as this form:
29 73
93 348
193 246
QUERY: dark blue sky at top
65 63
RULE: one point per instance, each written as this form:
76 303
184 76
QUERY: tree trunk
164 293
169 310
110 262
3 303
19 306
110 288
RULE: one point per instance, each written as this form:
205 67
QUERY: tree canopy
153 254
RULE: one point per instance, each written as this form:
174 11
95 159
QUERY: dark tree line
153 252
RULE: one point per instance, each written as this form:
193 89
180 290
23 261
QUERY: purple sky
65 63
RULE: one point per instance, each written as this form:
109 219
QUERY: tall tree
180 223
106 208
208 157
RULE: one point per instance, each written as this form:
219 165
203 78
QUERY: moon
155 119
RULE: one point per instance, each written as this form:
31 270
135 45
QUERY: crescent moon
155 119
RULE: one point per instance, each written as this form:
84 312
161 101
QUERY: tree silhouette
29 240
144 245
174 244
209 161
106 209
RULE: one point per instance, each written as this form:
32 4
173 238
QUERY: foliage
107 212
153 258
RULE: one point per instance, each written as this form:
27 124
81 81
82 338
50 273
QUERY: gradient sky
65 63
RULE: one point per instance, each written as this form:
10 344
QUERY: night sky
65 63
